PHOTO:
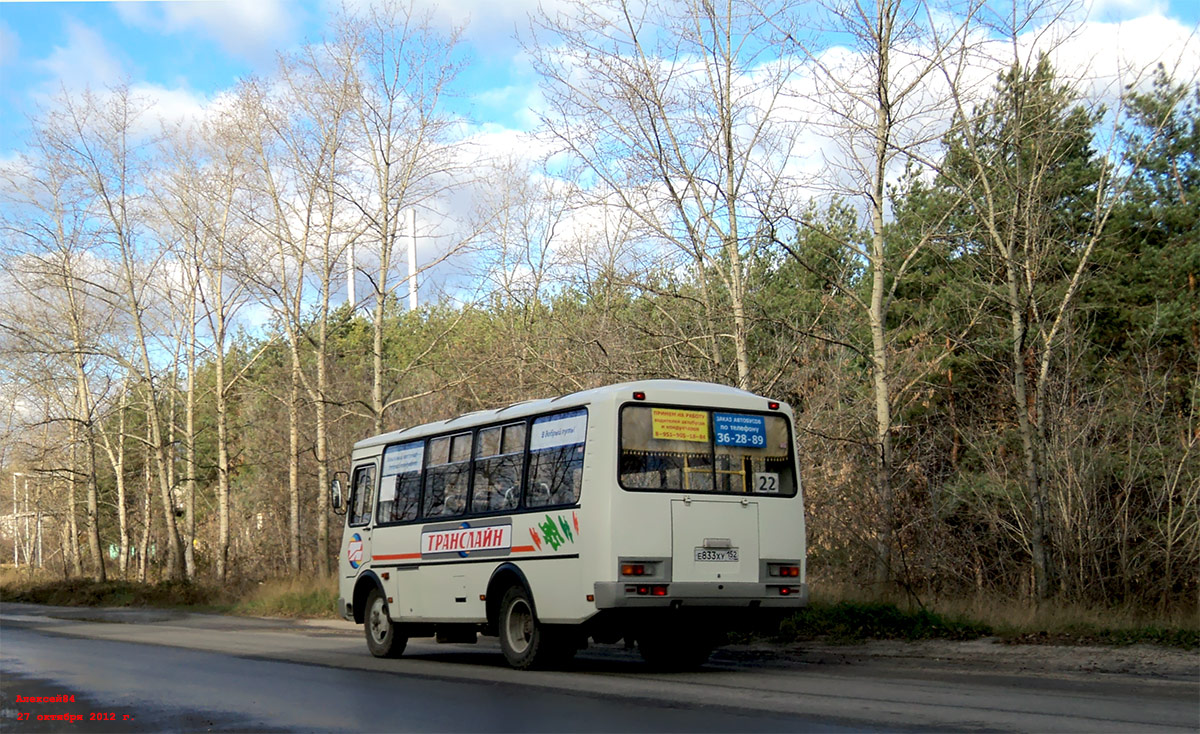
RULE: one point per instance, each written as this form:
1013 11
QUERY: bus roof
562 402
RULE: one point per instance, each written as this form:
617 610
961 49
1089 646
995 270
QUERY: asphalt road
150 670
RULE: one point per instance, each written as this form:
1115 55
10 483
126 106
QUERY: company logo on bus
465 539
354 552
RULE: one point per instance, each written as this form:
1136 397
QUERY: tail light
635 569
783 570
647 590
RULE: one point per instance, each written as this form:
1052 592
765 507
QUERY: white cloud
250 29
85 60
826 154
1106 57
174 107
1120 9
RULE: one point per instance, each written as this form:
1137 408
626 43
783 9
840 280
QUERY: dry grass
292 597
1004 613
1018 620
12 577
307 596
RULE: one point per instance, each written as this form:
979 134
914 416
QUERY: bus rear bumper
692 594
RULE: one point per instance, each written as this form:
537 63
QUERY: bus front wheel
383 638
526 642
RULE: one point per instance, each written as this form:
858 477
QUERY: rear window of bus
667 448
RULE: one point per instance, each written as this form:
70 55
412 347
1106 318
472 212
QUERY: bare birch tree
112 439
880 109
97 138
203 201
57 308
675 108
296 138
401 69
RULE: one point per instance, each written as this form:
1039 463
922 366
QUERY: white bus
660 512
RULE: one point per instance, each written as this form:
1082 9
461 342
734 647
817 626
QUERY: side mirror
335 496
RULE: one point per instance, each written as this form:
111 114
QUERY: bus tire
526 642
383 635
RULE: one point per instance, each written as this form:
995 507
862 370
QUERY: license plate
717 554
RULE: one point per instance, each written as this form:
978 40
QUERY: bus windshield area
708 451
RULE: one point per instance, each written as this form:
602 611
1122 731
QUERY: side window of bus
361 491
447 476
556 459
499 459
400 482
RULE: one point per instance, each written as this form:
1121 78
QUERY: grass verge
844 617
306 597
296 598
89 593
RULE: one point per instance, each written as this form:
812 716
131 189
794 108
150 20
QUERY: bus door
714 540
356 540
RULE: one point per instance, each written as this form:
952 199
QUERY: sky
184 54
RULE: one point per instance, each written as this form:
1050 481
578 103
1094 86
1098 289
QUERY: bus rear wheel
383 637
526 642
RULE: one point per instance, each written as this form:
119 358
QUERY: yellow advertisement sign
680 425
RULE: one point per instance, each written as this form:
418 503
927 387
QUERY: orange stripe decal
522 549
396 557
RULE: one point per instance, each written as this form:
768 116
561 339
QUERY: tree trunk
93 506
119 472
72 522
1027 430
737 282
222 458
877 317
84 423
154 418
189 446
322 513
294 463
883 435
174 551
147 517
377 335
